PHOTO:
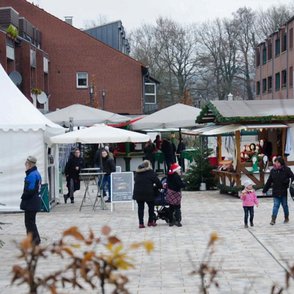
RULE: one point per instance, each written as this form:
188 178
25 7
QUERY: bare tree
271 19
218 54
244 22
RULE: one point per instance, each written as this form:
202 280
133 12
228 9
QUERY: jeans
248 210
31 227
105 185
277 202
151 213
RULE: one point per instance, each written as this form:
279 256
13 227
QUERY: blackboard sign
122 187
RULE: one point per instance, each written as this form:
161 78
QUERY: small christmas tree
200 171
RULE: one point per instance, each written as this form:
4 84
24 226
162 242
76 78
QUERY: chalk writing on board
122 186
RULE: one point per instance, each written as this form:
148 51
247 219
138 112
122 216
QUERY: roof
17 112
175 116
247 111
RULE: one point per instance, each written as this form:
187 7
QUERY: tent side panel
14 149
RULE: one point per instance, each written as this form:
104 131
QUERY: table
87 176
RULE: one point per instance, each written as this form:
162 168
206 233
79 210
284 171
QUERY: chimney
68 19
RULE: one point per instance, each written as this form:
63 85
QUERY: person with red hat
174 195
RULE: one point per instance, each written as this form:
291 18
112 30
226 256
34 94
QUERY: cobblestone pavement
249 260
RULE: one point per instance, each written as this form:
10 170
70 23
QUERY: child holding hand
249 199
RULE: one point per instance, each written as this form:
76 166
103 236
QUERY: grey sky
134 13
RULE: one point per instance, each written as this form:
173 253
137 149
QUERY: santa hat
173 168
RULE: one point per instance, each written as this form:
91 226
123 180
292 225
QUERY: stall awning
227 129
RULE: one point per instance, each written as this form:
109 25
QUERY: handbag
291 189
173 197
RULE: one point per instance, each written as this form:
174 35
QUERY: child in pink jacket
249 199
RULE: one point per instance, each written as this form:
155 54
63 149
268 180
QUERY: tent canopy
175 116
99 133
81 115
17 112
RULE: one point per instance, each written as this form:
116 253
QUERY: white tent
99 133
23 130
81 115
175 116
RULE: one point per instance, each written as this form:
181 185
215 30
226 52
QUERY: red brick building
274 60
80 69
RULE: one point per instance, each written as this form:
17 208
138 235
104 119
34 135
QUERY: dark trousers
31 227
141 205
175 213
248 211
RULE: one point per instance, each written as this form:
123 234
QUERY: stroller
161 206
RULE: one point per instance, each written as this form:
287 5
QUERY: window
284 78
263 85
82 80
33 58
258 88
277 47
278 82
291 38
257 57
264 55
45 64
269 50
284 42
269 83
291 76
150 93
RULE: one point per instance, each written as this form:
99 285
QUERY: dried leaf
105 230
74 232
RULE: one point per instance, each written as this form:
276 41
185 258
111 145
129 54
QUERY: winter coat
71 172
249 198
108 165
174 182
279 180
146 184
31 198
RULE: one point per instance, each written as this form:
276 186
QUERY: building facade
274 60
81 69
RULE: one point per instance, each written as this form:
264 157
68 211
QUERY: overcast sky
133 13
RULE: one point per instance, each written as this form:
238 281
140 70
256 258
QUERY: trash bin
45 205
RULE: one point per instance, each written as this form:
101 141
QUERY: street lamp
91 94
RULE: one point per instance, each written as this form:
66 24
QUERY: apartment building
274 59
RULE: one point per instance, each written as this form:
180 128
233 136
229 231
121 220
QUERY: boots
286 219
273 221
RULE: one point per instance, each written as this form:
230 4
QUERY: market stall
258 131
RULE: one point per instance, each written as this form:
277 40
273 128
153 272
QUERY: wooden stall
268 122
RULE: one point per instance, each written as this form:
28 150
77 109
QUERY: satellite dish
42 98
16 77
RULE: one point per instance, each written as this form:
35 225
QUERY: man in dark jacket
146 181
169 151
31 199
108 167
72 169
279 181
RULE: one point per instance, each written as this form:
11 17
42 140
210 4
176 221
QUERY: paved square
249 260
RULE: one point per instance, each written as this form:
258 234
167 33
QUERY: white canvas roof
83 115
175 116
17 112
99 133
255 108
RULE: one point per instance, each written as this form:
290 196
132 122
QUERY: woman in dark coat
278 179
146 183
72 169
